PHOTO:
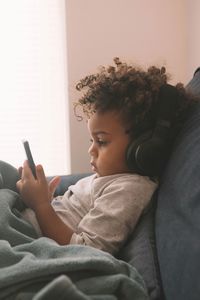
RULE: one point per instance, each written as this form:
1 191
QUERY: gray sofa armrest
66 181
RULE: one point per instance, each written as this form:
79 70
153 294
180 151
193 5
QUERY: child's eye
101 143
98 142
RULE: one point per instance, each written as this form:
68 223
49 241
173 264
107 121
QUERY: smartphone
29 157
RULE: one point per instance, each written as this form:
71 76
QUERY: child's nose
92 150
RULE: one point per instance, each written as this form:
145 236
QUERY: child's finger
40 173
20 169
26 172
18 185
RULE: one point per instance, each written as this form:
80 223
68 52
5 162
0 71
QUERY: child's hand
36 192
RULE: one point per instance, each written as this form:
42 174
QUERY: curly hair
131 91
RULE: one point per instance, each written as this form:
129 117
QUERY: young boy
121 103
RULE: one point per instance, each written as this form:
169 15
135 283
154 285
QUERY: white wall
140 31
193 37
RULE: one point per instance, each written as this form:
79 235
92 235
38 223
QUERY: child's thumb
53 184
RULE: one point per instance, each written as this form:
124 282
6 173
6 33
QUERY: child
101 210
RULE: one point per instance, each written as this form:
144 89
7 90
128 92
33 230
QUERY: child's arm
36 194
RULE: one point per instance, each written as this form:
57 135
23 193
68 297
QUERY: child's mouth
94 168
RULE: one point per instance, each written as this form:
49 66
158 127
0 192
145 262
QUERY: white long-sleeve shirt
103 211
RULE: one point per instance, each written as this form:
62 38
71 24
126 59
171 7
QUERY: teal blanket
40 269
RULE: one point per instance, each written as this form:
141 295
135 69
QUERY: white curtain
33 83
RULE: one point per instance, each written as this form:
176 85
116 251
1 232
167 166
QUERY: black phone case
29 157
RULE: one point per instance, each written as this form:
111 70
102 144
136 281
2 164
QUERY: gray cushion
178 215
140 252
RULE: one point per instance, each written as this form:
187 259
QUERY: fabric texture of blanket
40 269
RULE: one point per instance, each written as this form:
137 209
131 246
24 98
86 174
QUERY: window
33 83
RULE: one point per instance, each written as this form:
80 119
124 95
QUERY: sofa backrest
178 212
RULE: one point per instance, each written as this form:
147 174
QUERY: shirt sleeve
113 216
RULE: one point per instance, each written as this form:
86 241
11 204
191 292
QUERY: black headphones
147 154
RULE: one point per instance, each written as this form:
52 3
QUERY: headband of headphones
148 153
167 106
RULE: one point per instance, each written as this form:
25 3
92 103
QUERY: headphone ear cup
147 155
132 152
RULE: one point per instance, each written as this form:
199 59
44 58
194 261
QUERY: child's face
109 143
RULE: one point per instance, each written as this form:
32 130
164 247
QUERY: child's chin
97 174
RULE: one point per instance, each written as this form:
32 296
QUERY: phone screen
29 157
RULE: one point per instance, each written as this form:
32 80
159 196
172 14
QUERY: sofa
164 248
